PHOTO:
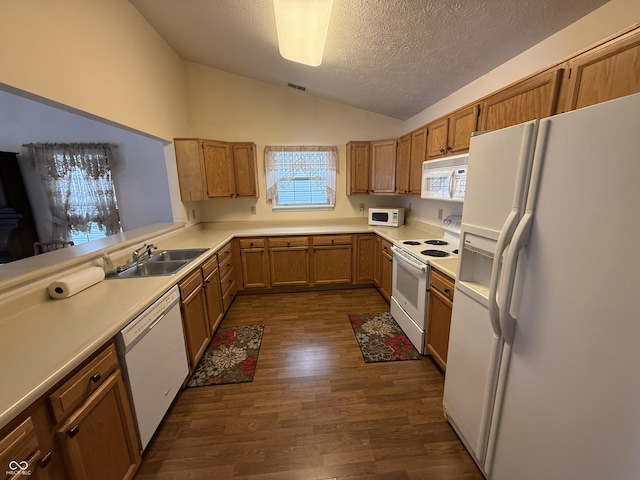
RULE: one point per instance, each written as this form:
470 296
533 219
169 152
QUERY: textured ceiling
393 57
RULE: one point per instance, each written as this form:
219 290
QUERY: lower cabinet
228 284
255 263
99 439
384 269
439 316
193 305
289 261
212 294
22 453
332 259
366 248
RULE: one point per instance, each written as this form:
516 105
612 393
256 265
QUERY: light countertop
42 340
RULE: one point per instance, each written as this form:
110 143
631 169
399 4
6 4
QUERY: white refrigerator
543 369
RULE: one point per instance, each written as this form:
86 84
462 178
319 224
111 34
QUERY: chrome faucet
139 253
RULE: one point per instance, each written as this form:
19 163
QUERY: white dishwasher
154 357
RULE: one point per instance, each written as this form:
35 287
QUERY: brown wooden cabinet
358 159
609 71
462 123
418 155
228 284
364 266
22 454
213 297
437 138
384 270
383 166
439 316
194 316
332 259
403 165
529 99
289 261
94 421
255 263
215 169
99 439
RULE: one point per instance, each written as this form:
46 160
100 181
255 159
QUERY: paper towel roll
69 285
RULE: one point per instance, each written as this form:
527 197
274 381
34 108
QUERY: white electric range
410 288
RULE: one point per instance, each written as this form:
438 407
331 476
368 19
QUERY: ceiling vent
297 87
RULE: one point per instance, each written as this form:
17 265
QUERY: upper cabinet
383 166
534 97
418 155
452 134
609 71
403 164
213 169
358 158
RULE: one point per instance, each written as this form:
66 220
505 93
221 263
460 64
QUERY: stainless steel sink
152 269
182 254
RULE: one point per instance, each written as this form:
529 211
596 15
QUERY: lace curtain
78 185
283 165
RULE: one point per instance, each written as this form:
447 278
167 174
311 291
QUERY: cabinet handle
449 147
333 242
44 461
447 291
73 431
442 150
95 378
288 244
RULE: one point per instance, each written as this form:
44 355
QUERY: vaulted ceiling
392 57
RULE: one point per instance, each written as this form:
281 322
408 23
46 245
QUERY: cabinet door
190 164
99 440
535 97
383 166
213 300
439 315
386 273
437 138
365 261
289 266
418 155
218 169
255 267
462 123
244 162
358 158
403 165
22 447
604 73
196 325
331 265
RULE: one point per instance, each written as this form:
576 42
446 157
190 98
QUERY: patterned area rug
381 339
230 358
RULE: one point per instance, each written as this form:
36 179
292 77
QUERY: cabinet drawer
386 247
225 265
251 243
227 281
190 283
442 283
228 297
209 266
66 398
21 445
224 253
332 240
289 242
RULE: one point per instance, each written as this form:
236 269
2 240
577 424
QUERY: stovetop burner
411 242
435 253
436 242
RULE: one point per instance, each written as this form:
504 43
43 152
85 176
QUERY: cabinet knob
442 150
447 291
44 461
95 378
449 147
73 431
288 244
333 242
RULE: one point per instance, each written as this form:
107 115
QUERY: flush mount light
302 29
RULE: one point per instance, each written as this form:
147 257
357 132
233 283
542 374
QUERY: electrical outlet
439 214
253 209
362 207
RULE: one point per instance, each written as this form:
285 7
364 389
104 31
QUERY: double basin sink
166 262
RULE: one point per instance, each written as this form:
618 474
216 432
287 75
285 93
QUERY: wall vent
297 87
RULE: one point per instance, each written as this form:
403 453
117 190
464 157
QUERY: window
79 189
301 177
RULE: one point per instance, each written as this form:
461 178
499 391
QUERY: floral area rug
381 339
231 356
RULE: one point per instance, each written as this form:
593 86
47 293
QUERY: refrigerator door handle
503 240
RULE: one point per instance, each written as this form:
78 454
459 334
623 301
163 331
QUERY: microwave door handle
451 183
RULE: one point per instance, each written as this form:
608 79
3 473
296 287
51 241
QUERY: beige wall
97 56
223 106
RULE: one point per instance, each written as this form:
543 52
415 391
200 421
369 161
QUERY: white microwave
388 217
445 178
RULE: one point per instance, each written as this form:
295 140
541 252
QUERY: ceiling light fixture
302 29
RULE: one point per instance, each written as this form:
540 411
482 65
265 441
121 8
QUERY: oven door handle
404 260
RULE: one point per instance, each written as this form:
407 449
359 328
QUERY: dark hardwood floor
314 410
